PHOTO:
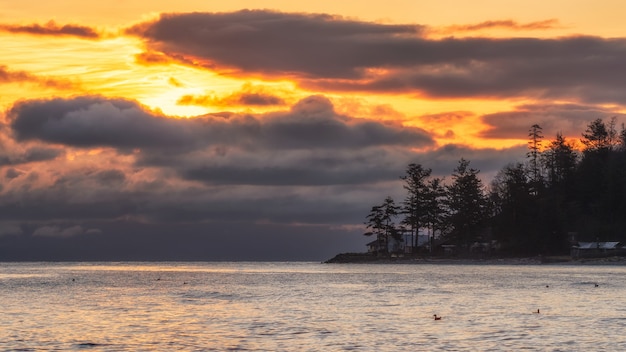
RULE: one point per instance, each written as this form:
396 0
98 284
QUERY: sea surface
311 307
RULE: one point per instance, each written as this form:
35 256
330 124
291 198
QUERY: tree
415 204
597 137
515 219
534 153
560 161
381 221
622 139
467 204
594 174
436 211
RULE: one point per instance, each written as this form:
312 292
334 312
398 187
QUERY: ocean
310 307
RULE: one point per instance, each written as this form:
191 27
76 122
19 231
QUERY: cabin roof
374 242
597 245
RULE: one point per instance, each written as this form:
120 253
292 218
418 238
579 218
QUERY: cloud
147 212
97 121
110 178
249 95
12 153
92 121
331 192
57 231
584 69
293 168
274 43
502 24
568 119
29 155
152 58
307 164
52 29
12 173
488 160
316 145
323 52
13 76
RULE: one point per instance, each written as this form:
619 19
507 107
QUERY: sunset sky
207 130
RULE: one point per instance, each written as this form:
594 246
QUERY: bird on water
436 317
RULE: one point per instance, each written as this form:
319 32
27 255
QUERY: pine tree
381 221
467 204
415 204
534 152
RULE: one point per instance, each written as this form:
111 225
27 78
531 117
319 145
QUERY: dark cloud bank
285 185
292 184
326 52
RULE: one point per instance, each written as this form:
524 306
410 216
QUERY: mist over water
310 307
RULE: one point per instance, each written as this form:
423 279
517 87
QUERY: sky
202 130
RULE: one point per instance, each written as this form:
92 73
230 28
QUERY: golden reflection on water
305 306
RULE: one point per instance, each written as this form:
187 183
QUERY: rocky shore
366 258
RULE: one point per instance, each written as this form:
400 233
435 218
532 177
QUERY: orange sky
109 66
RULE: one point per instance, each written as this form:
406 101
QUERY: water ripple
309 307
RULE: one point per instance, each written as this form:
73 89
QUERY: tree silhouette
534 151
436 212
559 160
559 195
467 204
415 204
381 221
597 137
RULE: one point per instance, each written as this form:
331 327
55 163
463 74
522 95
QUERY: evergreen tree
622 139
515 222
467 204
593 180
534 152
597 137
436 211
381 221
415 204
560 161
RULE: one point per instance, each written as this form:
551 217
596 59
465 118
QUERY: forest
565 191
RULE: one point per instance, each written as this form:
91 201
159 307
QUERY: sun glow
71 66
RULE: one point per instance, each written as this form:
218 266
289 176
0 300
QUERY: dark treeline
560 194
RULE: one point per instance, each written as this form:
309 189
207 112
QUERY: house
378 245
597 249
375 246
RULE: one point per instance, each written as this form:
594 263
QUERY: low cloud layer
305 168
100 122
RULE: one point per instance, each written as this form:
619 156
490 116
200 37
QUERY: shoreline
363 258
